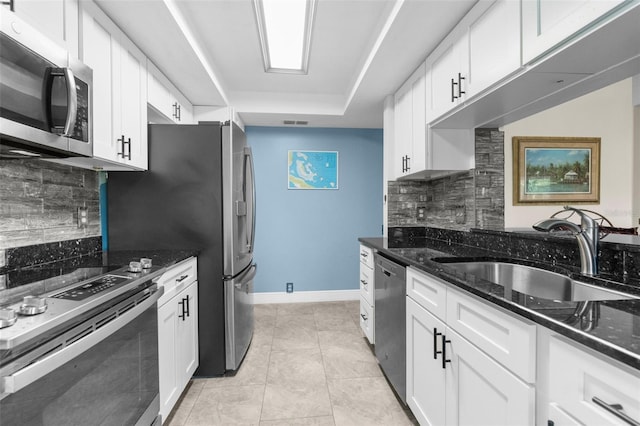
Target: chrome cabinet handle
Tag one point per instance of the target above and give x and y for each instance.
(10, 3)
(182, 278)
(123, 143)
(460, 91)
(435, 343)
(444, 351)
(617, 410)
(453, 91)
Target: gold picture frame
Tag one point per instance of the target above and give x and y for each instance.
(556, 170)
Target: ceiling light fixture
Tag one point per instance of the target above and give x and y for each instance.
(284, 27)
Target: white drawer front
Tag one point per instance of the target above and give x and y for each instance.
(178, 277)
(366, 256)
(507, 339)
(428, 292)
(577, 377)
(367, 320)
(366, 283)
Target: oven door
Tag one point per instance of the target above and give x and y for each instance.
(101, 371)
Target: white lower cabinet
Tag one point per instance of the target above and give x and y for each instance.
(367, 296)
(177, 333)
(590, 389)
(451, 381)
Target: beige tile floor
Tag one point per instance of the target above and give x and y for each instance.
(308, 364)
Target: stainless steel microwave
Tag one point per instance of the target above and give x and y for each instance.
(45, 96)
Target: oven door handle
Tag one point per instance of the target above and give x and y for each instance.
(44, 366)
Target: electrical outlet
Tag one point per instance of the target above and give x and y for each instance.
(83, 217)
(289, 287)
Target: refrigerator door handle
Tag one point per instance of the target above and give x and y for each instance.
(248, 158)
(248, 275)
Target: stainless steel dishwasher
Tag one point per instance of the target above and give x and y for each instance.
(390, 321)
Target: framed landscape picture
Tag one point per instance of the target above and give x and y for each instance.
(550, 170)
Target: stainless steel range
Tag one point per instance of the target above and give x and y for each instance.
(80, 348)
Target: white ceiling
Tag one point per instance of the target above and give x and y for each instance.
(361, 51)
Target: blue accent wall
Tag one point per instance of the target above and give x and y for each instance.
(310, 237)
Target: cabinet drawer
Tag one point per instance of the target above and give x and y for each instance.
(578, 376)
(366, 256)
(367, 320)
(178, 277)
(428, 292)
(507, 339)
(367, 285)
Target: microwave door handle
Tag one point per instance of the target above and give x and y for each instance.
(72, 98)
(72, 102)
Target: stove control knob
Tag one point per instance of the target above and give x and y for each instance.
(8, 317)
(32, 305)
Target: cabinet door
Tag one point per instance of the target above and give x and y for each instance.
(158, 96)
(187, 334)
(57, 19)
(130, 117)
(98, 53)
(547, 23)
(577, 377)
(418, 123)
(509, 340)
(447, 71)
(367, 320)
(167, 357)
(425, 375)
(480, 391)
(403, 130)
(366, 283)
(493, 54)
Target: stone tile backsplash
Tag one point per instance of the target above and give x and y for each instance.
(39, 202)
(465, 200)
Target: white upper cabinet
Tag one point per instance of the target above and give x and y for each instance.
(57, 19)
(547, 23)
(167, 104)
(474, 56)
(448, 72)
(492, 54)
(409, 125)
(119, 95)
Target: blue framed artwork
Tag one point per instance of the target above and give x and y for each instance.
(312, 170)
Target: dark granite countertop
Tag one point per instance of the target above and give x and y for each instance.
(41, 278)
(616, 331)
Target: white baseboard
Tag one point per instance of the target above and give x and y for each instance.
(306, 296)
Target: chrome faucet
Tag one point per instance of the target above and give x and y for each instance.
(587, 234)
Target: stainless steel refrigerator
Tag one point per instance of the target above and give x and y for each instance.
(199, 194)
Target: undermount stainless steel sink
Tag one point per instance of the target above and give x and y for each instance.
(534, 281)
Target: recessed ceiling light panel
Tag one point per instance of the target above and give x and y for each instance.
(284, 27)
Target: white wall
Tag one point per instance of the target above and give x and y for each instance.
(608, 114)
